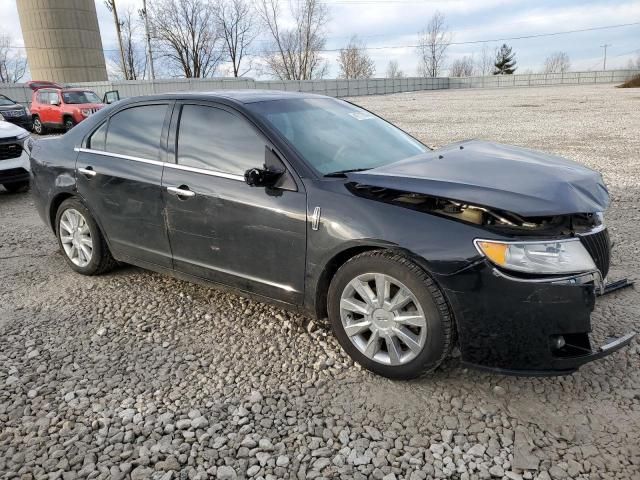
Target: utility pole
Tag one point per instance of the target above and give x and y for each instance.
(146, 26)
(111, 6)
(604, 63)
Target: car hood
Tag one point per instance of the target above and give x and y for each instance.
(513, 179)
(15, 106)
(8, 129)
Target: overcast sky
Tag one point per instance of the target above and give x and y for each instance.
(383, 23)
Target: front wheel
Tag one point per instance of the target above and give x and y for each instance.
(68, 123)
(38, 127)
(389, 315)
(80, 239)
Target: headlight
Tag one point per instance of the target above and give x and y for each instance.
(27, 112)
(1, 118)
(547, 257)
(86, 112)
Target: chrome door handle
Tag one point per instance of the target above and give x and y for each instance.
(180, 192)
(89, 172)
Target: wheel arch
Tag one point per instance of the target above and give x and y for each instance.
(55, 205)
(330, 269)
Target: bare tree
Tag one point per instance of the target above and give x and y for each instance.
(484, 65)
(557, 62)
(13, 65)
(432, 46)
(462, 67)
(111, 6)
(294, 52)
(238, 24)
(354, 62)
(186, 32)
(634, 64)
(134, 55)
(393, 70)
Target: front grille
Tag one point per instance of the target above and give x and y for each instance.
(10, 150)
(12, 113)
(599, 247)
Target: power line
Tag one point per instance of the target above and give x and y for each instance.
(522, 37)
(470, 42)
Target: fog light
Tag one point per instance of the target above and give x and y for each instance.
(557, 342)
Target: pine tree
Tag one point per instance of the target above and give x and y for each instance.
(505, 61)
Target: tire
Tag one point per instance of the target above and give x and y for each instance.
(68, 123)
(16, 187)
(38, 127)
(100, 259)
(430, 333)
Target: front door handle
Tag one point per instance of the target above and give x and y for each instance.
(181, 191)
(88, 172)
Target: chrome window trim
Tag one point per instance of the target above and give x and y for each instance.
(204, 171)
(119, 155)
(186, 168)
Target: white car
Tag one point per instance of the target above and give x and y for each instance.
(14, 157)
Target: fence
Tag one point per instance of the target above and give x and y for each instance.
(337, 88)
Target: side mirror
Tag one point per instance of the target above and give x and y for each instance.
(262, 177)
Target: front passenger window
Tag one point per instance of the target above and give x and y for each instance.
(214, 139)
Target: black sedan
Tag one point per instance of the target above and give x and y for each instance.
(321, 206)
(16, 113)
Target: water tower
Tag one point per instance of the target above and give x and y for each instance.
(62, 38)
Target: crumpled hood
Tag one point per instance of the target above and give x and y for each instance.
(514, 179)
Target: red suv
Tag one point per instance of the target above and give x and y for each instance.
(62, 107)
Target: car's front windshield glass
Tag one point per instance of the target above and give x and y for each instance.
(5, 101)
(80, 97)
(335, 136)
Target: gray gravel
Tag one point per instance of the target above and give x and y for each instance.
(137, 375)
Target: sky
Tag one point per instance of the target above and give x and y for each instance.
(396, 23)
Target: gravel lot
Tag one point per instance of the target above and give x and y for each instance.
(137, 375)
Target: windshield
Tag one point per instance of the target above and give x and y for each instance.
(80, 97)
(335, 136)
(6, 101)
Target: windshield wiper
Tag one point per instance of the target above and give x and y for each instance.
(342, 173)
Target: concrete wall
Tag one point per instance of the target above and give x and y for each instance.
(338, 88)
(62, 38)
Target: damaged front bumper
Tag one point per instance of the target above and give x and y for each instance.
(525, 326)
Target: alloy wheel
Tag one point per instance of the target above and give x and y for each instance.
(383, 319)
(75, 237)
(37, 126)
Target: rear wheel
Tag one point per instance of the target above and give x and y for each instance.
(80, 239)
(389, 315)
(16, 187)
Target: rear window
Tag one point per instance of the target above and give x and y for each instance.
(98, 139)
(136, 131)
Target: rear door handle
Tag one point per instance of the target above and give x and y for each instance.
(181, 191)
(88, 172)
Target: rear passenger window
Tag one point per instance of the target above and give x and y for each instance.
(98, 138)
(214, 139)
(136, 131)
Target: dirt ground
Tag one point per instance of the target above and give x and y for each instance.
(137, 375)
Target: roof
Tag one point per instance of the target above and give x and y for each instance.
(240, 96)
